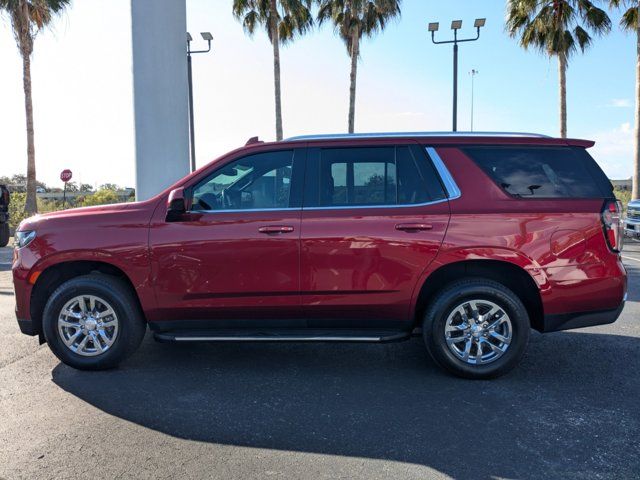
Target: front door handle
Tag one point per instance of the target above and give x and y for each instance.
(275, 229)
(414, 227)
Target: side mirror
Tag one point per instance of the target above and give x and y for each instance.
(176, 205)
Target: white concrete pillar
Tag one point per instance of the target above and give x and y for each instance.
(160, 93)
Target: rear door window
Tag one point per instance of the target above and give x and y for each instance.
(370, 176)
(542, 172)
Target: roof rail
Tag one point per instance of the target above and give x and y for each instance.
(338, 136)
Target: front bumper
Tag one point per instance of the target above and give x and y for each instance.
(28, 327)
(22, 289)
(632, 226)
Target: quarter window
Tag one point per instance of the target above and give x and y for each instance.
(261, 181)
(542, 172)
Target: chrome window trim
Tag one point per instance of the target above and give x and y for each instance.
(237, 210)
(450, 184)
(348, 136)
(342, 207)
(452, 191)
(360, 207)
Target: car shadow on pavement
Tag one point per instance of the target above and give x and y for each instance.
(569, 410)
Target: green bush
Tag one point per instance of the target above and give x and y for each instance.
(624, 196)
(16, 210)
(101, 197)
(18, 199)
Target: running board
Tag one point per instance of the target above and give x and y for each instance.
(335, 335)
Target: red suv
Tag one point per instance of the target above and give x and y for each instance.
(469, 240)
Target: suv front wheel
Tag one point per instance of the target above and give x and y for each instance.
(93, 322)
(476, 328)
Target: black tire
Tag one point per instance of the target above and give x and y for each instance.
(4, 234)
(131, 327)
(453, 295)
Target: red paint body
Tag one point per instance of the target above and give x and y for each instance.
(332, 267)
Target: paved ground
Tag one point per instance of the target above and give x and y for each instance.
(571, 410)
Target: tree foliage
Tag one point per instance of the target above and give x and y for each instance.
(293, 17)
(556, 26)
(357, 18)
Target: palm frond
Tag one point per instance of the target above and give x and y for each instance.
(292, 17)
(29, 17)
(556, 26)
(357, 18)
(629, 20)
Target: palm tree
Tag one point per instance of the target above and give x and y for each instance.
(28, 18)
(630, 23)
(557, 28)
(352, 20)
(283, 20)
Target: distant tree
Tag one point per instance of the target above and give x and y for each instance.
(72, 187)
(28, 18)
(85, 187)
(283, 20)
(557, 28)
(109, 186)
(629, 22)
(352, 20)
(19, 179)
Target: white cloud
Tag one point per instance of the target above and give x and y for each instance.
(614, 150)
(619, 103)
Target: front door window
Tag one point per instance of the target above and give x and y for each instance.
(255, 182)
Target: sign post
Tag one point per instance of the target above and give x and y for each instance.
(65, 176)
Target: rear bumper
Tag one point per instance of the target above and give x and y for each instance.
(568, 321)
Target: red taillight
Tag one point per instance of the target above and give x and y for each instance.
(612, 223)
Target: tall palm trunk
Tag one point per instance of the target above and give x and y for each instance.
(562, 93)
(355, 53)
(31, 206)
(636, 161)
(275, 41)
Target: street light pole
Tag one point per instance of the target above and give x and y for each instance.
(192, 142)
(455, 84)
(473, 74)
(455, 26)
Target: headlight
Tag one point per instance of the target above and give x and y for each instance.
(22, 239)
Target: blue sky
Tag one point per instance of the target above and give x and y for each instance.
(84, 115)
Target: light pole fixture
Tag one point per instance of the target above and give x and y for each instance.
(208, 38)
(455, 26)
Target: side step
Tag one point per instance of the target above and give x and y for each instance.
(284, 335)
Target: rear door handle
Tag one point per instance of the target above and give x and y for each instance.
(275, 229)
(414, 227)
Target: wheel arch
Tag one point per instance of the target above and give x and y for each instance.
(55, 275)
(512, 276)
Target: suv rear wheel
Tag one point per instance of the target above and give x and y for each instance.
(93, 322)
(476, 328)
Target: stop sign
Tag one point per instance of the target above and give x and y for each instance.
(66, 175)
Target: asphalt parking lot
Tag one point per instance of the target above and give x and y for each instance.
(571, 410)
